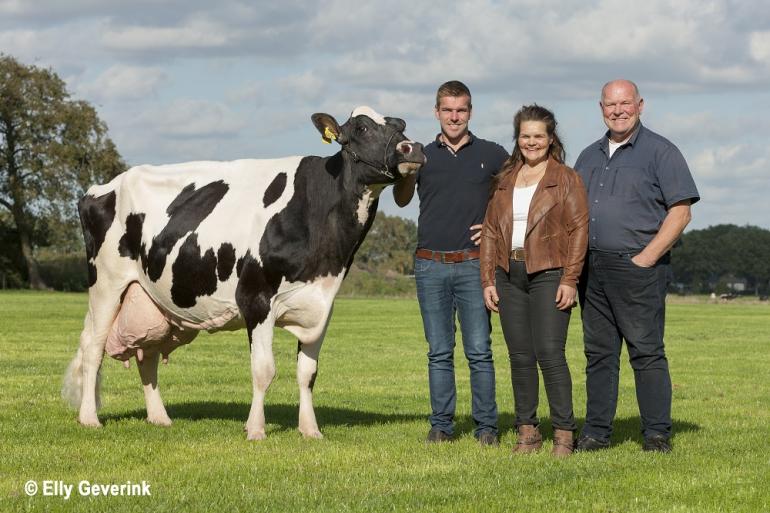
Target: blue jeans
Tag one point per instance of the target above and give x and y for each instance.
(446, 290)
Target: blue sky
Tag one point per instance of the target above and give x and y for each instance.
(192, 80)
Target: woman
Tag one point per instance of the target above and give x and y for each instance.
(532, 249)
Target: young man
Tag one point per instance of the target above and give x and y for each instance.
(453, 187)
(639, 195)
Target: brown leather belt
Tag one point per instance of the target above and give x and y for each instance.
(448, 257)
(517, 255)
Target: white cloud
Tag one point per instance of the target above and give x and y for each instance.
(191, 119)
(121, 82)
(195, 33)
(253, 93)
(732, 181)
(759, 46)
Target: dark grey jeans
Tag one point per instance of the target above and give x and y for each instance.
(536, 334)
(622, 301)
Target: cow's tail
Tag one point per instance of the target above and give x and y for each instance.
(72, 387)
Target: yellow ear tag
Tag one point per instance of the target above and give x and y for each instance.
(328, 136)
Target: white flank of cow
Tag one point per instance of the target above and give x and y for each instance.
(212, 246)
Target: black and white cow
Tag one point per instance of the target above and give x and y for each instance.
(180, 248)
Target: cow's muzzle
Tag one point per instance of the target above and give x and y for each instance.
(413, 157)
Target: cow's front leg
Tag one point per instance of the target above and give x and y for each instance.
(262, 373)
(148, 371)
(307, 371)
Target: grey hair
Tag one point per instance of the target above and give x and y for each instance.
(637, 96)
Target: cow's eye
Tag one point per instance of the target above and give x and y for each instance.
(362, 129)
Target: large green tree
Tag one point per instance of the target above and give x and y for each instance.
(51, 148)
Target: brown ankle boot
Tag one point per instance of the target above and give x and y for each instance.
(563, 443)
(529, 439)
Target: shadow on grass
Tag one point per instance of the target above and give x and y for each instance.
(283, 415)
(624, 428)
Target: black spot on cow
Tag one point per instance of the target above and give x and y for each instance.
(255, 288)
(225, 261)
(186, 213)
(274, 190)
(317, 233)
(96, 217)
(193, 274)
(130, 244)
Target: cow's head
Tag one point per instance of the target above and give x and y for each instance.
(376, 141)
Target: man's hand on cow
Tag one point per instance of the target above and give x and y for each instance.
(565, 297)
(476, 237)
(490, 298)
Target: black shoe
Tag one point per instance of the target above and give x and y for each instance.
(657, 443)
(436, 435)
(588, 444)
(488, 439)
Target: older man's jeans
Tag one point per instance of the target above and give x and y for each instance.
(622, 301)
(446, 290)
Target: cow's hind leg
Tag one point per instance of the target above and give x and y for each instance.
(307, 370)
(262, 373)
(81, 382)
(148, 371)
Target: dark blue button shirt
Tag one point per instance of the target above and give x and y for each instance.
(629, 194)
(454, 189)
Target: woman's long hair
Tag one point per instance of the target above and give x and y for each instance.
(532, 112)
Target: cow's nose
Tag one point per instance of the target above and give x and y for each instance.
(405, 147)
(411, 150)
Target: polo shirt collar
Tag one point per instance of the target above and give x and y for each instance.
(442, 144)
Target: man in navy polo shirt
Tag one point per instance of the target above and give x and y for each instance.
(639, 193)
(453, 187)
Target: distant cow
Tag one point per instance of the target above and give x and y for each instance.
(212, 246)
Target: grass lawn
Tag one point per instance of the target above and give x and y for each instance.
(371, 400)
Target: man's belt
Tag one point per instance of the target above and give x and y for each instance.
(517, 255)
(448, 257)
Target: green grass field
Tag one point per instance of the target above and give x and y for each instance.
(372, 405)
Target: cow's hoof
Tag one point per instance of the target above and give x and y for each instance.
(316, 435)
(259, 435)
(160, 421)
(92, 422)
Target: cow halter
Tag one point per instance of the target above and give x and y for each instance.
(383, 168)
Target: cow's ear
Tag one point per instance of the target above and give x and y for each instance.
(327, 125)
(396, 122)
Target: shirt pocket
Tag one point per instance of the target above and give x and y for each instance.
(628, 182)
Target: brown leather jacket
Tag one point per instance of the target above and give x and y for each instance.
(557, 226)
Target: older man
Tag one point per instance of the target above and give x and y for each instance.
(639, 191)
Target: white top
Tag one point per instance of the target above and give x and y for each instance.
(522, 197)
(615, 145)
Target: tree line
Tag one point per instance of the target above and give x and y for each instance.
(52, 147)
(723, 258)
